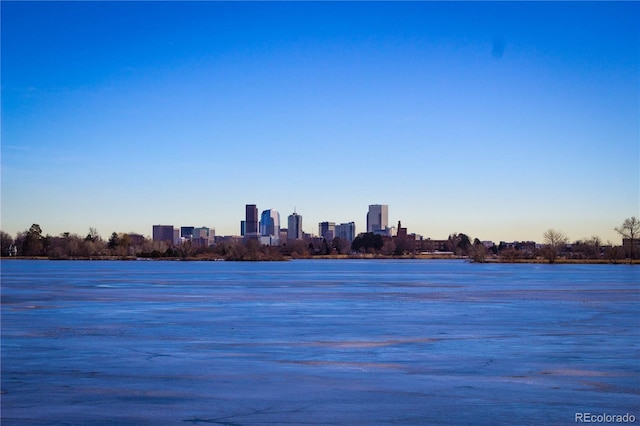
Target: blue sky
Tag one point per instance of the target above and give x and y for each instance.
(499, 120)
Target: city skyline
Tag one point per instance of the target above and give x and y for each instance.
(499, 120)
(179, 227)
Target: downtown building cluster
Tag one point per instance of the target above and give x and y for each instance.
(268, 230)
(200, 237)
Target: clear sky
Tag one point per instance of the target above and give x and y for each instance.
(499, 120)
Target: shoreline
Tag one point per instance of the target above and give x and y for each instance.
(425, 257)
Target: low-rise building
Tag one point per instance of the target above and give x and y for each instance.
(631, 247)
(430, 246)
(135, 239)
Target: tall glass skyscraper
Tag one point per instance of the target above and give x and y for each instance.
(270, 225)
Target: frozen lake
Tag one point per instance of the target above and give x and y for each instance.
(317, 342)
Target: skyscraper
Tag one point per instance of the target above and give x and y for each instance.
(294, 231)
(378, 217)
(251, 221)
(186, 232)
(163, 233)
(202, 232)
(346, 231)
(270, 226)
(327, 230)
(205, 235)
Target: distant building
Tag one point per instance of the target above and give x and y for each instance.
(270, 227)
(294, 231)
(186, 232)
(163, 233)
(527, 247)
(176, 236)
(488, 244)
(327, 230)
(267, 240)
(283, 234)
(200, 242)
(202, 232)
(228, 238)
(429, 245)
(404, 242)
(631, 247)
(243, 227)
(135, 239)
(346, 231)
(401, 232)
(251, 221)
(206, 235)
(378, 218)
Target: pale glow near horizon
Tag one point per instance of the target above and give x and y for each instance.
(498, 120)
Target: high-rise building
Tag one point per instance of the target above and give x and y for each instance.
(294, 231)
(163, 233)
(212, 236)
(270, 226)
(346, 231)
(202, 232)
(186, 232)
(206, 235)
(327, 230)
(251, 221)
(377, 218)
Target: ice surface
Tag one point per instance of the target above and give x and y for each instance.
(317, 342)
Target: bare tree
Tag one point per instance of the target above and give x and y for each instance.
(93, 235)
(613, 252)
(555, 241)
(6, 241)
(341, 245)
(388, 248)
(630, 230)
(509, 254)
(478, 251)
(594, 244)
(588, 248)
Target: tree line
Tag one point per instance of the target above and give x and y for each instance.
(33, 243)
